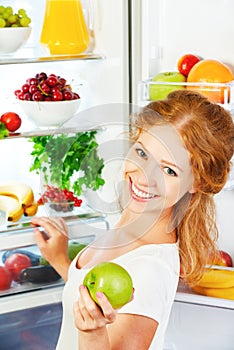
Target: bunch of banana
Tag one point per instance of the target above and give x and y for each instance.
(218, 283)
(17, 199)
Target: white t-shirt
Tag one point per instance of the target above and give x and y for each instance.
(154, 269)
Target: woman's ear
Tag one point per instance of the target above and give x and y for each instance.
(193, 190)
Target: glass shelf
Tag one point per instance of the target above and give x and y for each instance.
(29, 57)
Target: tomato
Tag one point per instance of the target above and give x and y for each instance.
(17, 262)
(5, 278)
(186, 62)
(12, 121)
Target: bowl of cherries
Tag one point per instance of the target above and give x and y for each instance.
(48, 100)
(59, 200)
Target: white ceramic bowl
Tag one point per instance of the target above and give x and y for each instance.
(12, 38)
(50, 113)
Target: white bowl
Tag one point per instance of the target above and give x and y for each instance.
(50, 113)
(12, 38)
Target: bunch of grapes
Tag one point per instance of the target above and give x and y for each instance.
(10, 19)
(60, 200)
(45, 87)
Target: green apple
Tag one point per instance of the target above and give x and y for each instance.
(160, 91)
(73, 249)
(112, 280)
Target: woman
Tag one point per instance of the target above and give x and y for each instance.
(179, 158)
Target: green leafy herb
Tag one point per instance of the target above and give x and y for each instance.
(70, 162)
(4, 132)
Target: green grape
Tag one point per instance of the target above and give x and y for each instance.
(2, 23)
(25, 21)
(22, 12)
(12, 19)
(6, 15)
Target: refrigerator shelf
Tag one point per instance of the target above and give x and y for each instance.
(30, 56)
(223, 93)
(186, 295)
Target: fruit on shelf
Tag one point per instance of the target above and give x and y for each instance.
(186, 62)
(46, 87)
(31, 209)
(59, 199)
(74, 248)
(5, 278)
(224, 293)
(15, 263)
(18, 190)
(112, 280)
(9, 18)
(222, 258)
(159, 91)
(217, 278)
(34, 258)
(211, 71)
(12, 121)
(11, 207)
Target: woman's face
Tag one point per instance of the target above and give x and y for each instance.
(157, 171)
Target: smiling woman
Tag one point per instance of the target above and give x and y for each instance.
(179, 158)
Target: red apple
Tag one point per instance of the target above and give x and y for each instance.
(186, 62)
(223, 259)
(5, 278)
(17, 262)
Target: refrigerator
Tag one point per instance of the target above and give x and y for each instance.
(132, 41)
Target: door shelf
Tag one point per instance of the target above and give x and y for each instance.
(223, 93)
(186, 295)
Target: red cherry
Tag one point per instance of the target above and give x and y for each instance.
(27, 96)
(33, 89)
(76, 96)
(25, 87)
(32, 81)
(67, 95)
(37, 96)
(45, 88)
(52, 80)
(17, 92)
(57, 96)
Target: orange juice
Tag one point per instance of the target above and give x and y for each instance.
(64, 29)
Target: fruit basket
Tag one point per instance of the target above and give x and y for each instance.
(221, 93)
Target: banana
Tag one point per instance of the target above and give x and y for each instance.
(215, 278)
(31, 209)
(19, 190)
(225, 293)
(12, 207)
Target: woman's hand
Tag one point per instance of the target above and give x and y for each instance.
(88, 315)
(53, 242)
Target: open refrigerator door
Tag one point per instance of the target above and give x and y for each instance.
(169, 30)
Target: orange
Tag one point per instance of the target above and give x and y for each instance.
(211, 71)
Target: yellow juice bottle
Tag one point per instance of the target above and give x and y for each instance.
(64, 29)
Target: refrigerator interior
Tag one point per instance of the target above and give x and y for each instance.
(102, 80)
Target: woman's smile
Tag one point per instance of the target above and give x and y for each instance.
(139, 194)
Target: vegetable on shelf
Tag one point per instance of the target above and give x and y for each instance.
(4, 132)
(68, 161)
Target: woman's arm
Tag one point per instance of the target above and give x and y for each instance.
(53, 243)
(124, 331)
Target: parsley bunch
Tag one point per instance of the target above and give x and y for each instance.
(70, 162)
